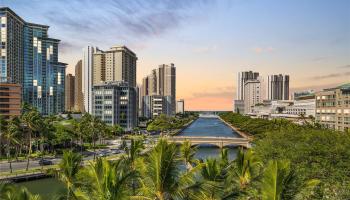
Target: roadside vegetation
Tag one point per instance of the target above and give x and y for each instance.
(169, 171)
(163, 123)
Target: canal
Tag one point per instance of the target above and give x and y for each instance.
(201, 127)
(214, 127)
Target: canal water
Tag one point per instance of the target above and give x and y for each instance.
(213, 127)
(201, 127)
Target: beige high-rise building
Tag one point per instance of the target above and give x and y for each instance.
(116, 64)
(99, 67)
(119, 65)
(78, 88)
(69, 92)
(333, 107)
(161, 82)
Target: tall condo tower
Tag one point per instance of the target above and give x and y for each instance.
(278, 87)
(242, 78)
(87, 81)
(30, 58)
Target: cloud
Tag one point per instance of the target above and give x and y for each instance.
(205, 49)
(260, 50)
(345, 66)
(334, 75)
(119, 17)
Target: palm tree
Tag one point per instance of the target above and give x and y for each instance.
(187, 152)
(11, 192)
(244, 168)
(136, 147)
(105, 180)
(163, 178)
(31, 118)
(213, 178)
(69, 168)
(12, 133)
(278, 179)
(93, 128)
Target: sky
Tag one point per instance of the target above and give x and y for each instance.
(209, 41)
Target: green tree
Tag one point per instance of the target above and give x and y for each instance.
(68, 169)
(187, 152)
(163, 178)
(32, 120)
(105, 180)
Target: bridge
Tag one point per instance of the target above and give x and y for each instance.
(217, 141)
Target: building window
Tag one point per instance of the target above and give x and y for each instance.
(59, 78)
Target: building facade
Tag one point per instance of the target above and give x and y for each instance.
(278, 87)
(154, 106)
(180, 106)
(69, 91)
(333, 107)
(87, 72)
(242, 78)
(10, 100)
(30, 58)
(160, 83)
(78, 88)
(115, 103)
(252, 95)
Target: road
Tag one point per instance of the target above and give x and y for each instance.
(21, 165)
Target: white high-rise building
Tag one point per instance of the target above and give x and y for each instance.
(242, 78)
(252, 95)
(88, 77)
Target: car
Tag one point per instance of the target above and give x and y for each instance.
(102, 154)
(45, 162)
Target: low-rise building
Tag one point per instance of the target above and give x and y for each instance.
(180, 106)
(156, 105)
(10, 100)
(333, 107)
(115, 103)
(238, 106)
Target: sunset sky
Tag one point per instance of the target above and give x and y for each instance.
(209, 41)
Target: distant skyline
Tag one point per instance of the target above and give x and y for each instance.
(209, 41)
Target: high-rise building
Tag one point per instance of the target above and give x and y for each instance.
(116, 64)
(115, 103)
(30, 58)
(242, 78)
(78, 88)
(278, 87)
(333, 107)
(252, 95)
(69, 91)
(161, 82)
(87, 81)
(180, 106)
(10, 100)
(99, 67)
(120, 65)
